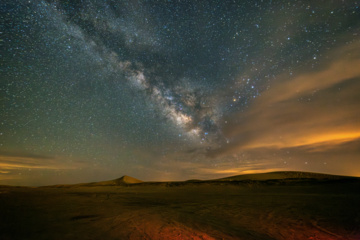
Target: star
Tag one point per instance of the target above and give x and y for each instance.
(132, 87)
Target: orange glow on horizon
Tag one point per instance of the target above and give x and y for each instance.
(319, 140)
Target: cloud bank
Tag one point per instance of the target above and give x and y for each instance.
(315, 111)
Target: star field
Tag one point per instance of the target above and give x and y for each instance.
(91, 90)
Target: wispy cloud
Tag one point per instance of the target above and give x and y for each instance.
(15, 161)
(317, 109)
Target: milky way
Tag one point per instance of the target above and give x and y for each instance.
(175, 89)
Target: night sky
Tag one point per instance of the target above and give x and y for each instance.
(177, 90)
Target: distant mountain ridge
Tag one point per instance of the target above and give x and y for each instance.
(127, 180)
(257, 177)
(282, 175)
(123, 181)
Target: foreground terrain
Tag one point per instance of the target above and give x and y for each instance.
(284, 205)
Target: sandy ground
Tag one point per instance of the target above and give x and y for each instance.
(277, 209)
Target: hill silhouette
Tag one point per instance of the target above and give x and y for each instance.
(127, 180)
(284, 177)
(122, 181)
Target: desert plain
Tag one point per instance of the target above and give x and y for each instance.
(270, 206)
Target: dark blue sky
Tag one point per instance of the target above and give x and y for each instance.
(171, 90)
